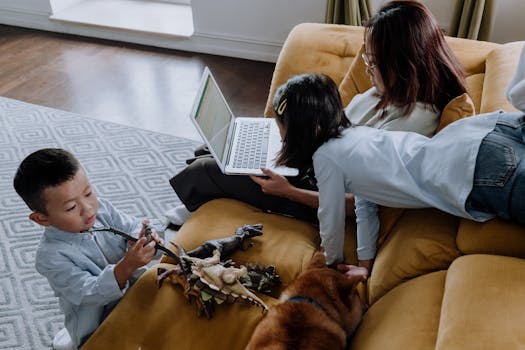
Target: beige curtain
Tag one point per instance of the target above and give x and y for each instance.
(473, 19)
(352, 12)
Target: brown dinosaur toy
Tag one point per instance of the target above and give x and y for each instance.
(208, 280)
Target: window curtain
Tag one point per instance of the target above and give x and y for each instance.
(351, 12)
(473, 19)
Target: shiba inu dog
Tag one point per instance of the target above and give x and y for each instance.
(320, 310)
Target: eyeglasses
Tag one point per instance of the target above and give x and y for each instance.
(368, 63)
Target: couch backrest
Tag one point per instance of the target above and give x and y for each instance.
(316, 48)
(335, 50)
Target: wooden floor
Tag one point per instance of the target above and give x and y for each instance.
(146, 87)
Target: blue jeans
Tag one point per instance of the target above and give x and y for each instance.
(499, 175)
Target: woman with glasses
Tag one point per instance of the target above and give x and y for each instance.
(413, 71)
(414, 75)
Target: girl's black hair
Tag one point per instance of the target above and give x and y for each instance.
(45, 168)
(310, 110)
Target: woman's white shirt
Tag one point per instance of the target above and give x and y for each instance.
(424, 119)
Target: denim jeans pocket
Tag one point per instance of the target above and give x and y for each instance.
(512, 125)
(496, 162)
(513, 120)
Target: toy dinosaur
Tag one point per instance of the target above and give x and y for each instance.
(208, 279)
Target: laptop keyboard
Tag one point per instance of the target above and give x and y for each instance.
(252, 145)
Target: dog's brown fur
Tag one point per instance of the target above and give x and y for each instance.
(305, 325)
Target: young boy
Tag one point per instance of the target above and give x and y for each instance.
(88, 271)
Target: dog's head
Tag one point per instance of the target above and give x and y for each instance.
(334, 291)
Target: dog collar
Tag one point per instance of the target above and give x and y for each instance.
(301, 299)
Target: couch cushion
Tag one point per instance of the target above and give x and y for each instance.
(492, 237)
(471, 53)
(316, 48)
(420, 242)
(459, 107)
(406, 318)
(152, 318)
(350, 248)
(475, 89)
(483, 304)
(500, 66)
(286, 242)
(356, 80)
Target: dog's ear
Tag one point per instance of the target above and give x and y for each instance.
(318, 261)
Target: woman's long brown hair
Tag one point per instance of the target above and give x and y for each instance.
(415, 62)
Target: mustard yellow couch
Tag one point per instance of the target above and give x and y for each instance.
(439, 282)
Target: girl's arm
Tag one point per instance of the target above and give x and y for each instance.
(331, 213)
(367, 220)
(277, 185)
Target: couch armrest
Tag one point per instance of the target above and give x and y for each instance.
(500, 66)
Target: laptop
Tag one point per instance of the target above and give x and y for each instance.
(242, 145)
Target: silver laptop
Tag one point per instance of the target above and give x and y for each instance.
(240, 146)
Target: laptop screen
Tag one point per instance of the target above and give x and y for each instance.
(214, 116)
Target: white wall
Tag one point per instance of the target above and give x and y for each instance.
(267, 21)
(443, 10)
(250, 28)
(57, 5)
(508, 23)
(41, 7)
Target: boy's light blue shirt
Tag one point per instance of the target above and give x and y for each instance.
(79, 268)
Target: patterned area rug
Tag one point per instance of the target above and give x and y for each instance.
(130, 167)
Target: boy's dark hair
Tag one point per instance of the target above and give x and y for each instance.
(415, 62)
(309, 107)
(48, 167)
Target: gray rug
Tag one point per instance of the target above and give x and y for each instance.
(130, 167)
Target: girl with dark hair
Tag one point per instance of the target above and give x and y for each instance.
(483, 178)
(322, 120)
(414, 75)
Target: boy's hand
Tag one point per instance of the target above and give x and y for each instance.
(150, 233)
(139, 254)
